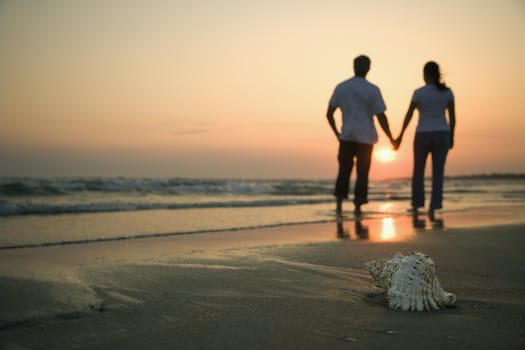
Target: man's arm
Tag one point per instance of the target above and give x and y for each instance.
(331, 120)
(383, 121)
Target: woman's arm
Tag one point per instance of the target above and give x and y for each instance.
(452, 121)
(408, 118)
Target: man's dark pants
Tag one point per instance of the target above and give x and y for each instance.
(348, 150)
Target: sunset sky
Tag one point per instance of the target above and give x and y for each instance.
(239, 89)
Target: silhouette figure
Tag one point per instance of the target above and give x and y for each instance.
(434, 136)
(359, 101)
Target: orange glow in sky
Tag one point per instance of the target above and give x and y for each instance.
(239, 88)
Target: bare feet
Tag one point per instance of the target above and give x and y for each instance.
(339, 207)
(357, 210)
(431, 215)
(413, 210)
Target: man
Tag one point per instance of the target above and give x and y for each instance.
(359, 101)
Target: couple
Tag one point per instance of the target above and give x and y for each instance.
(359, 101)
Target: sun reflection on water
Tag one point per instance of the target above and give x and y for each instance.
(388, 230)
(379, 228)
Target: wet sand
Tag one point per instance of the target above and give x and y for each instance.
(289, 287)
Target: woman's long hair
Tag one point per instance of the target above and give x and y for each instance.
(431, 70)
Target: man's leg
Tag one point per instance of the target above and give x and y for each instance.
(346, 163)
(364, 159)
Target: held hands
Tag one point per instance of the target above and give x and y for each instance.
(396, 142)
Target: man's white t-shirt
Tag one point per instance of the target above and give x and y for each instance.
(432, 104)
(359, 100)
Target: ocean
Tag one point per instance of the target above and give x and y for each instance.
(55, 211)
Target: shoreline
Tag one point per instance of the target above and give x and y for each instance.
(471, 217)
(297, 286)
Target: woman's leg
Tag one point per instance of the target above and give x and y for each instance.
(439, 151)
(418, 174)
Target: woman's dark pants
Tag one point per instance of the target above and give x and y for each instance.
(437, 144)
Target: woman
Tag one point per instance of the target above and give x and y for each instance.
(434, 135)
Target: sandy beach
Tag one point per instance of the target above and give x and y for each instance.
(287, 287)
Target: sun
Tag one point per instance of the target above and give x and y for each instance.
(385, 155)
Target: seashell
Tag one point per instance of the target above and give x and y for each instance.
(410, 282)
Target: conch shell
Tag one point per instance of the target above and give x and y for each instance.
(410, 282)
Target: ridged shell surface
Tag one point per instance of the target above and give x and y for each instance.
(410, 282)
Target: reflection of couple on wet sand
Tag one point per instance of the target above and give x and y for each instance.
(359, 101)
(361, 231)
